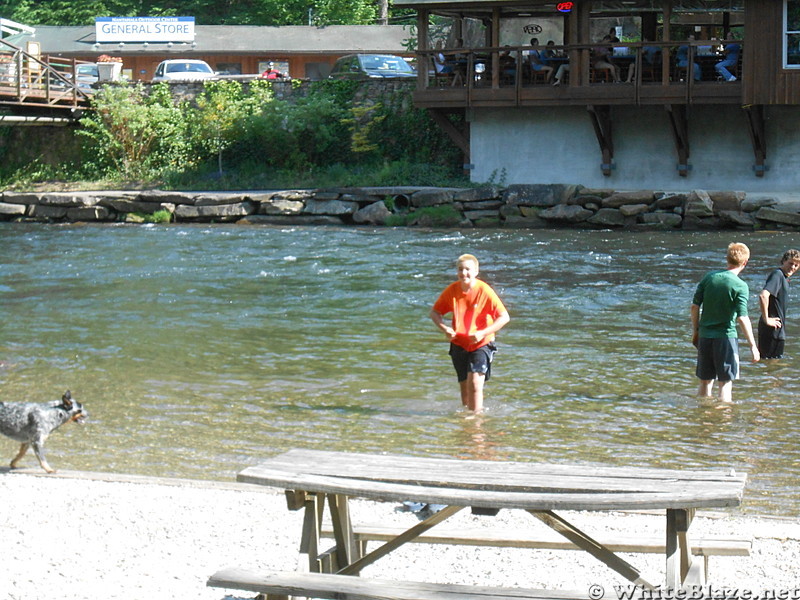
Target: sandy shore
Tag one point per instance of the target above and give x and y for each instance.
(98, 536)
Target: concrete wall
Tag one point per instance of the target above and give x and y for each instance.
(558, 145)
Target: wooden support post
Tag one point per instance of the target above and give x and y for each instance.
(309, 541)
(757, 131)
(601, 121)
(346, 549)
(593, 547)
(679, 553)
(680, 135)
(458, 137)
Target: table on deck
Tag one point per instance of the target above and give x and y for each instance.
(309, 477)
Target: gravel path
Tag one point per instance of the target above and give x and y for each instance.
(99, 536)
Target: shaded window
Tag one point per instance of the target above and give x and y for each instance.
(791, 26)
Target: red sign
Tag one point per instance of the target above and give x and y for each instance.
(565, 6)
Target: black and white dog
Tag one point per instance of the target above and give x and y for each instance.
(31, 423)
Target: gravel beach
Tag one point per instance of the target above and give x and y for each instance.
(78, 535)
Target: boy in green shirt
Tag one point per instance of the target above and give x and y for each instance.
(723, 297)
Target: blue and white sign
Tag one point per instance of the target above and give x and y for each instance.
(144, 29)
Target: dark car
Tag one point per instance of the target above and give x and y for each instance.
(371, 66)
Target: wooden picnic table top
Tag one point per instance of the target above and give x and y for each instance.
(497, 484)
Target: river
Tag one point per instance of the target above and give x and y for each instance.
(199, 350)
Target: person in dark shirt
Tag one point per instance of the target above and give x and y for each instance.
(772, 300)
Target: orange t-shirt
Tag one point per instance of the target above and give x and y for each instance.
(472, 311)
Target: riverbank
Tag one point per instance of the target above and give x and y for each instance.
(76, 535)
(515, 206)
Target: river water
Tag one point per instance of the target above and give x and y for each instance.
(199, 350)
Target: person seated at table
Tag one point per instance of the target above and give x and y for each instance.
(650, 57)
(682, 60)
(601, 60)
(440, 63)
(535, 63)
(478, 314)
(732, 51)
(550, 52)
(559, 76)
(508, 64)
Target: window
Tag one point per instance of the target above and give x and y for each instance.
(791, 27)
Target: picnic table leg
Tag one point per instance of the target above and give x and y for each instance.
(593, 547)
(679, 552)
(346, 550)
(309, 539)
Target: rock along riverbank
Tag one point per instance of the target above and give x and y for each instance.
(514, 206)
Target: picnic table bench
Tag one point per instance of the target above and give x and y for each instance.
(313, 478)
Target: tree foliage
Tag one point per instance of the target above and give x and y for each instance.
(206, 12)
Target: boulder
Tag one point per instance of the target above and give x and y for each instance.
(217, 199)
(538, 195)
(21, 198)
(567, 213)
(698, 204)
(753, 204)
(68, 200)
(279, 206)
(737, 218)
(286, 220)
(89, 213)
(39, 211)
(607, 217)
(222, 212)
(669, 200)
(487, 192)
(631, 210)
(432, 197)
(776, 215)
(159, 196)
(335, 208)
(372, 214)
(727, 200)
(618, 199)
(12, 209)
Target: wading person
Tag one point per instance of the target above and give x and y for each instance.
(719, 303)
(772, 301)
(478, 314)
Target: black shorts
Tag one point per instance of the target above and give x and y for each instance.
(478, 361)
(769, 345)
(718, 358)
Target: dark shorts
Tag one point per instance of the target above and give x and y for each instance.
(769, 345)
(478, 361)
(718, 358)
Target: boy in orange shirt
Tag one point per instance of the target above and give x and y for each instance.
(477, 315)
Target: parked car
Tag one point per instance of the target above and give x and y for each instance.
(87, 74)
(371, 66)
(185, 69)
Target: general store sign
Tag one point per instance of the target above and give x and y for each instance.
(144, 29)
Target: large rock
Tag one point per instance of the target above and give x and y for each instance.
(12, 209)
(566, 213)
(727, 200)
(607, 217)
(618, 199)
(68, 200)
(280, 206)
(222, 212)
(520, 222)
(89, 213)
(776, 215)
(631, 210)
(124, 205)
(670, 200)
(21, 198)
(372, 214)
(286, 220)
(737, 218)
(217, 199)
(699, 204)
(334, 208)
(161, 196)
(431, 197)
(39, 211)
(488, 192)
(753, 204)
(538, 195)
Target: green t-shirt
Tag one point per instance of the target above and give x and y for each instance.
(723, 298)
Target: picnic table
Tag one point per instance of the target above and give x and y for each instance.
(310, 477)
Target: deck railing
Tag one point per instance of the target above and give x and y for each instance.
(686, 64)
(42, 81)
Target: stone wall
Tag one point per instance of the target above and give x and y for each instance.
(516, 206)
